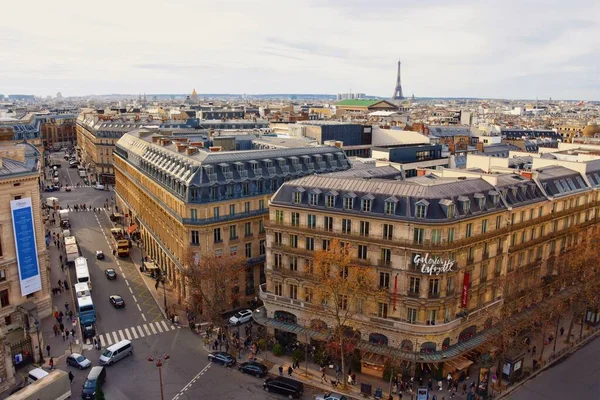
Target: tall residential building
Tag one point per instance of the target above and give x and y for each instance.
(20, 304)
(439, 246)
(189, 201)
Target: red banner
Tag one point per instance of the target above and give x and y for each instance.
(465, 291)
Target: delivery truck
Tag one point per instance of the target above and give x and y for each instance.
(54, 386)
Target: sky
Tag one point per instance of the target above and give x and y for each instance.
(449, 48)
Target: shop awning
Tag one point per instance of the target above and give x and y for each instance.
(459, 363)
(132, 228)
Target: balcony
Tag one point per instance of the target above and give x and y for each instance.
(414, 295)
(384, 262)
(224, 218)
(434, 295)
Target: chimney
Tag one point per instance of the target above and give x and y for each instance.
(421, 172)
(197, 144)
(191, 151)
(181, 147)
(155, 139)
(527, 175)
(213, 149)
(165, 142)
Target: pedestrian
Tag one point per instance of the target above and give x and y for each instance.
(60, 258)
(71, 377)
(323, 376)
(430, 384)
(66, 306)
(62, 327)
(280, 370)
(66, 285)
(60, 284)
(290, 370)
(67, 332)
(73, 332)
(55, 329)
(464, 388)
(48, 350)
(51, 363)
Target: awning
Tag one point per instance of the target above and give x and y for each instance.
(459, 363)
(132, 228)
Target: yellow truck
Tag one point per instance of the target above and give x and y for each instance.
(122, 248)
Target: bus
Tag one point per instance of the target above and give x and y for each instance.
(86, 310)
(82, 290)
(82, 272)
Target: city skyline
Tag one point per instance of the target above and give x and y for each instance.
(523, 50)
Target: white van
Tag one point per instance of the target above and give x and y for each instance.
(35, 375)
(116, 352)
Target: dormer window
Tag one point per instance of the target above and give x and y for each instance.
(313, 199)
(330, 199)
(514, 191)
(448, 207)
(480, 198)
(349, 201)
(367, 203)
(390, 205)
(466, 204)
(297, 197)
(421, 209)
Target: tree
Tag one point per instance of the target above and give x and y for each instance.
(213, 283)
(342, 288)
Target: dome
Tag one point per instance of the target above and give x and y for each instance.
(591, 130)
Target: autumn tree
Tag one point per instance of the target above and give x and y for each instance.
(342, 288)
(213, 283)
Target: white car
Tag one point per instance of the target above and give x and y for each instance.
(241, 317)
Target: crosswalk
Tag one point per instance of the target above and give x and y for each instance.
(136, 332)
(90, 209)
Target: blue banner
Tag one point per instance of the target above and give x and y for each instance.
(25, 245)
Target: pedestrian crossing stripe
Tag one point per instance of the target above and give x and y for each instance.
(135, 332)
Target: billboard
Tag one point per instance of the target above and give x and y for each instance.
(25, 246)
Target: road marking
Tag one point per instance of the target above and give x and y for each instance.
(115, 336)
(134, 299)
(134, 333)
(158, 327)
(152, 328)
(139, 308)
(130, 289)
(139, 328)
(126, 282)
(123, 275)
(144, 317)
(186, 387)
(146, 329)
(165, 325)
(121, 334)
(127, 333)
(102, 343)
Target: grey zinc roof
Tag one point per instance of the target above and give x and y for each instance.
(386, 172)
(560, 181)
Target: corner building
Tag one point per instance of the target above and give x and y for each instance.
(473, 228)
(190, 201)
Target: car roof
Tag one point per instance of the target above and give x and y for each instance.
(115, 296)
(94, 373)
(38, 373)
(288, 381)
(75, 355)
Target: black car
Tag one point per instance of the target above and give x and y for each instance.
(286, 386)
(50, 188)
(117, 301)
(221, 357)
(94, 381)
(111, 274)
(254, 368)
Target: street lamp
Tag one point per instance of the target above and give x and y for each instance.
(36, 322)
(159, 364)
(164, 279)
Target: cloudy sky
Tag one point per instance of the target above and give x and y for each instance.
(450, 48)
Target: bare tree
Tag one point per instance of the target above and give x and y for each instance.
(342, 287)
(213, 283)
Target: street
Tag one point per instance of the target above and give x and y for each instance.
(578, 377)
(187, 374)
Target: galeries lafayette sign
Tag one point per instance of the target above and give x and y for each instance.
(433, 265)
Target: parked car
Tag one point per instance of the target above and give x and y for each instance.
(111, 274)
(221, 357)
(99, 255)
(50, 188)
(117, 301)
(330, 396)
(253, 368)
(78, 361)
(286, 386)
(241, 317)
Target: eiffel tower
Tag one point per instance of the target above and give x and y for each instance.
(398, 91)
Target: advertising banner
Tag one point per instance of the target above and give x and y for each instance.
(464, 299)
(25, 246)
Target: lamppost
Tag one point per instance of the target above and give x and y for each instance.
(36, 322)
(164, 279)
(159, 364)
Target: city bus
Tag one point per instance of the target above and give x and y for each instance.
(86, 311)
(82, 273)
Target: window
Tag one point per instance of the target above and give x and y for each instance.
(414, 285)
(261, 204)
(308, 295)
(195, 238)
(364, 228)
(4, 301)
(432, 317)
(261, 226)
(330, 201)
(382, 311)
(309, 266)
(484, 225)
(540, 212)
(194, 213)
(328, 224)
(311, 220)
(297, 197)
(390, 208)
(346, 226)
(484, 272)
(366, 205)
(295, 219)
(247, 207)
(278, 289)
(434, 288)
(469, 230)
(219, 253)
(343, 302)
(388, 231)
(436, 236)
(449, 285)
(233, 232)
(511, 263)
(231, 209)
(248, 250)
(279, 216)
(233, 251)
(362, 251)
(293, 263)
(384, 280)
(470, 255)
(411, 315)
(277, 260)
(294, 241)
(450, 235)
(310, 243)
(450, 210)
(421, 210)
(498, 222)
(278, 238)
(348, 203)
(313, 199)
(418, 235)
(248, 229)
(2, 275)
(216, 212)
(217, 235)
(325, 244)
(262, 248)
(386, 256)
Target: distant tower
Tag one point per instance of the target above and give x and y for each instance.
(194, 96)
(398, 91)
